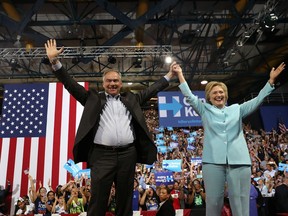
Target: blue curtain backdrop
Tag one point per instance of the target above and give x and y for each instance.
(273, 115)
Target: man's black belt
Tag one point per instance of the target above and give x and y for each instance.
(113, 148)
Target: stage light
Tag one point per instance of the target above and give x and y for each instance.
(111, 60)
(137, 62)
(204, 82)
(18, 44)
(168, 59)
(45, 60)
(14, 64)
(269, 22)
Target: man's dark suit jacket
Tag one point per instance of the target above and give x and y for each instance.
(166, 209)
(94, 101)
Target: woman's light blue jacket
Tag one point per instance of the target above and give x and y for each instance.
(224, 141)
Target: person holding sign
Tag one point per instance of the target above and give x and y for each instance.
(225, 153)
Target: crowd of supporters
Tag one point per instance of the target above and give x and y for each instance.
(267, 150)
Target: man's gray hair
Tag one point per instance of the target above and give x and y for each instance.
(111, 70)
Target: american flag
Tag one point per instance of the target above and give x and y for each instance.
(37, 131)
(282, 128)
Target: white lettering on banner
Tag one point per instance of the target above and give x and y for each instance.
(162, 179)
(187, 104)
(190, 112)
(188, 121)
(162, 113)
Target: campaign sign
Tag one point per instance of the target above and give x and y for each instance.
(164, 178)
(86, 173)
(196, 160)
(172, 165)
(71, 167)
(174, 145)
(190, 147)
(174, 111)
(283, 167)
(160, 142)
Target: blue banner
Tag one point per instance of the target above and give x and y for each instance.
(172, 165)
(164, 178)
(174, 111)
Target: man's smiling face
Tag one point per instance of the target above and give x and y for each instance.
(112, 83)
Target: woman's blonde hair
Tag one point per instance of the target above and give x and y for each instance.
(211, 85)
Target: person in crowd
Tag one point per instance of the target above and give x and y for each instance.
(87, 193)
(225, 154)
(149, 200)
(278, 179)
(23, 208)
(59, 205)
(256, 199)
(281, 195)
(148, 179)
(262, 187)
(177, 195)
(41, 202)
(58, 190)
(136, 195)
(270, 184)
(50, 201)
(77, 201)
(112, 135)
(270, 171)
(196, 199)
(67, 188)
(166, 205)
(3, 194)
(112, 200)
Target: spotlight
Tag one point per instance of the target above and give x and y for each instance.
(14, 64)
(168, 59)
(269, 22)
(111, 60)
(137, 62)
(204, 82)
(45, 60)
(18, 44)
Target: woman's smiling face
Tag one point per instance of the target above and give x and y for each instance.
(217, 96)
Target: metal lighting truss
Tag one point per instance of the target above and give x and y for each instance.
(88, 51)
(249, 30)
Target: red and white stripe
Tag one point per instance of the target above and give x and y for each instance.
(44, 157)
